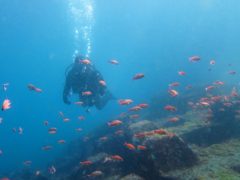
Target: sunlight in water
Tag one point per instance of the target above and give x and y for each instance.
(81, 12)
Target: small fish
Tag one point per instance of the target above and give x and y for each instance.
(37, 173)
(85, 61)
(46, 148)
(160, 131)
(218, 83)
(80, 103)
(61, 141)
(212, 62)
(1, 152)
(66, 119)
(5, 178)
(104, 138)
(52, 170)
(234, 92)
(27, 163)
(129, 146)
(134, 116)
(45, 123)
(81, 118)
(116, 158)
(6, 104)
(113, 61)
(173, 92)
(125, 101)
(135, 108)
(209, 88)
(204, 103)
(143, 105)
(34, 88)
(232, 72)
(95, 174)
(78, 129)
(86, 93)
(20, 130)
(138, 76)
(174, 84)
(182, 73)
(52, 130)
(86, 163)
(119, 132)
(140, 147)
(170, 108)
(115, 123)
(102, 82)
(61, 114)
(140, 135)
(194, 58)
(174, 119)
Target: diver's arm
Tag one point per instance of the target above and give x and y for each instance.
(67, 88)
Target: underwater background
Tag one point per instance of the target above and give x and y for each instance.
(38, 41)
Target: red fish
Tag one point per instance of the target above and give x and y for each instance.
(174, 119)
(95, 174)
(114, 123)
(86, 93)
(129, 146)
(181, 73)
(170, 108)
(174, 84)
(81, 118)
(143, 105)
(34, 88)
(194, 58)
(173, 92)
(86, 163)
(134, 116)
(138, 76)
(212, 62)
(218, 83)
(209, 88)
(52, 130)
(125, 101)
(79, 103)
(116, 158)
(85, 61)
(135, 108)
(160, 131)
(113, 61)
(102, 82)
(119, 132)
(140, 147)
(6, 104)
(61, 141)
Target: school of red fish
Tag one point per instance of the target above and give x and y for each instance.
(204, 102)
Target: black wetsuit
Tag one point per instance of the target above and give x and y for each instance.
(82, 78)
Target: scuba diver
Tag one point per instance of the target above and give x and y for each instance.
(83, 79)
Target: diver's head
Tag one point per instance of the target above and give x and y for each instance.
(79, 58)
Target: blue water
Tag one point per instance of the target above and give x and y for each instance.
(154, 37)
